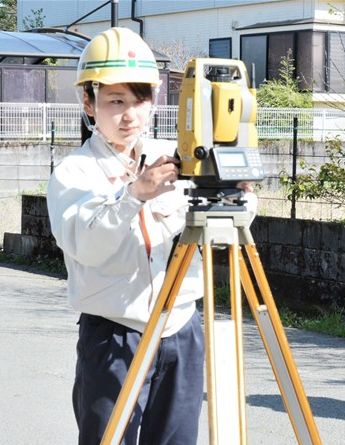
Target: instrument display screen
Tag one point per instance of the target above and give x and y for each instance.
(237, 164)
(232, 159)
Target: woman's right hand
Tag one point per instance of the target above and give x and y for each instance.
(155, 179)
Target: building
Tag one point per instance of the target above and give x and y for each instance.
(255, 31)
(40, 66)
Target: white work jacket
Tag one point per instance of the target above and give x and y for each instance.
(95, 221)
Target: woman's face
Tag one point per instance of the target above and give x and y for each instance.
(119, 115)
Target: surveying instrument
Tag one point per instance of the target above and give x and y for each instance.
(218, 148)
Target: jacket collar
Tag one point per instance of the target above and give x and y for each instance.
(113, 163)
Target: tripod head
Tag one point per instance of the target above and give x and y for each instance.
(217, 137)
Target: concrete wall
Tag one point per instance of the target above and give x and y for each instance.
(26, 167)
(35, 238)
(277, 156)
(304, 260)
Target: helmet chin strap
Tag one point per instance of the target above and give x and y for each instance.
(123, 159)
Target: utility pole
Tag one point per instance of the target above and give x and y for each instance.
(114, 12)
(294, 166)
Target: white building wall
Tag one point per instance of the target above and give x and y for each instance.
(195, 28)
(332, 10)
(61, 12)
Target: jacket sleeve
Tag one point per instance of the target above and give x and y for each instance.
(88, 223)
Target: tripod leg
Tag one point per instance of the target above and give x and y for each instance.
(278, 350)
(236, 313)
(209, 343)
(148, 345)
(218, 390)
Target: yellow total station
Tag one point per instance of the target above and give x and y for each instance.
(216, 123)
(217, 144)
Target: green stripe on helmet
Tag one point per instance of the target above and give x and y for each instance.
(105, 64)
(147, 64)
(119, 63)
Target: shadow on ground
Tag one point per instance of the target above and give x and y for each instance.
(320, 406)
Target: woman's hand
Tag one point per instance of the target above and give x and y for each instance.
(245, 186)
(156, 179)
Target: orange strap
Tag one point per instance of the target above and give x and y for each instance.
(145, 232)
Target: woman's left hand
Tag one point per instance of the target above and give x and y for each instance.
(245, 186)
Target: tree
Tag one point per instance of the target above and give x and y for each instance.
(35, 20)
(8, 15)
(326, 183)
(336, 11)
(284, 91)
(178, 53)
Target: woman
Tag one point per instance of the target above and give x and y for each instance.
(115, 208)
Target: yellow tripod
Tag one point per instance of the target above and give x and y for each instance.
(224, 226)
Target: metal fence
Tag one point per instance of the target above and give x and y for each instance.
(20, 121)
(33, 122)
(272, 123)
(29, 121)
(313, 124)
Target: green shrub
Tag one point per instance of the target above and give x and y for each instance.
(326, 183)
(284, 92)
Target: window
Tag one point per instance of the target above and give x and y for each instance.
(336, 62)
(220, 48)
(254, 51)
(279, 45)
(309, 55)
(304, 60)
(319, 62)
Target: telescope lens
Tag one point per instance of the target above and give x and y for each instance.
(219, 74)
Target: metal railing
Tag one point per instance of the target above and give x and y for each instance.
(313, 124)
(273, 123)
(30, 121)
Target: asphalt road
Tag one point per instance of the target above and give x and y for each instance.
(37, 356)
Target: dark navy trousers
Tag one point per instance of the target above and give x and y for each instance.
(169, 405)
